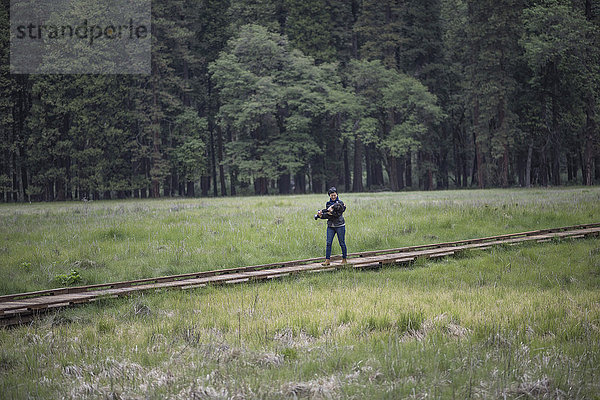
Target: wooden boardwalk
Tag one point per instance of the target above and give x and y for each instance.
(22, 307)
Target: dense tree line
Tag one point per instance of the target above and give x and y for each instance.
(289, 96)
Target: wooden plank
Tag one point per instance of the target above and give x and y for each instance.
(69, 299)
(14, 305)
(188, 287)
(448, 253)
(403, 260)
(238, 281)
(368, 265)
(31, 305)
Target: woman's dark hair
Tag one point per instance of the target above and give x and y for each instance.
(332, 190)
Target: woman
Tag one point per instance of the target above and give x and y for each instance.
(336, 225)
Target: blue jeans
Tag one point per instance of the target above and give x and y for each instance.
(341, 234)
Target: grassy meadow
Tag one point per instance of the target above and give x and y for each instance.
(509, 322)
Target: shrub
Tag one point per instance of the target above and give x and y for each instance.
(71, 278)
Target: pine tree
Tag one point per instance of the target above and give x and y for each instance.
(493, 48)
(561, 49)
(14, 105)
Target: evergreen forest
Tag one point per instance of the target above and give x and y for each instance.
(288, 96)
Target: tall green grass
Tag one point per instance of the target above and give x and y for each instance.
(508, 322)
(494, 324)
(107, 241)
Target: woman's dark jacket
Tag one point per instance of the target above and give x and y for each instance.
(335, 219)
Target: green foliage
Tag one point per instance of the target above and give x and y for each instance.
(380, 27)
(398, 112)
(191, 132)
(377, 323)
(494, 30)
(346, 317)
(270, 97)
(415, 115)
(26, 266)
(410, 321)
(105, 326)
(69, 279)
(321, 29)
(289, 353)
(452, 92)
(560, 49)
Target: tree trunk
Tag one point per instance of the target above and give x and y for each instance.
(22, 111)
(284, 184)
(317, 174)
(465, 169)
(589, 142)
(358, 171)
(182, 188)
(474, 171)
(520, 165)
(232, 182)
(442, 176)
(457, 160)
(213, 167)
(205, 185)
(260, 186)
(400, 165)
(19, 175)
(167, 186)
(347, 181)
(409, 170)
(505, 166)
(69, 180)
(377, 167)
(556, 165)
(582, 164)
(12, 176)
(368, 167)
(543, 168)
(428, 178)
(220, 161)
(300, 183)
(175, 185)
(51, 195)
(528, 165)
(232, 171)
(478, 154)
(392, 170)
